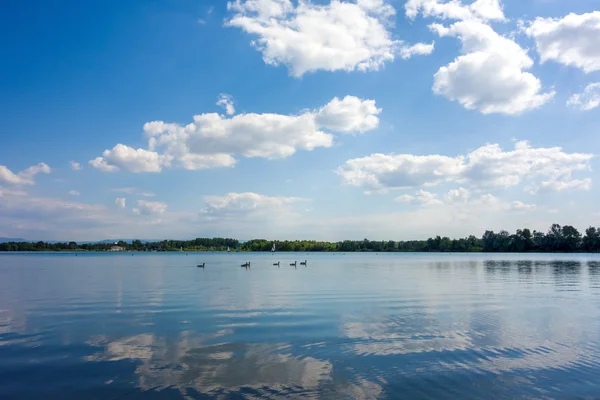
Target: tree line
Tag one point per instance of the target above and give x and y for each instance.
(556, 239)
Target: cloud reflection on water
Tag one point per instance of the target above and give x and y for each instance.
(191, 363)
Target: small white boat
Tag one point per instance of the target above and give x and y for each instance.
(273, 248)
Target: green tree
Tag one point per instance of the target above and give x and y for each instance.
(571, 239)
(591, 240)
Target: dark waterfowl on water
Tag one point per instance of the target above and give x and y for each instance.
(293, 264)
(247, 265)
(277, 263)
(201, 265)
(303, 263)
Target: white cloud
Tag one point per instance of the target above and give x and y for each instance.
(25, 177)
(421, 49)
(44, 217)
(134, 160)
(460, 201)
(460, 195)
(120, 202)
(478, 10)
(5, 192)
(573, 40)
(520, 206)
(349, 114)
(226, 101)
(381, 172)
(341, 35)
(48, 218)
(133, 191)
(7, 176)
(74, 193)
(561, 186)
(490, 76)
(212, 140)
(422, 198)
(150, 207)
(75, 166)
(248, 204)
(588, 100)
(101, 164)
(487, 166)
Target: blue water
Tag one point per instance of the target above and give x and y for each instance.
(354, 326)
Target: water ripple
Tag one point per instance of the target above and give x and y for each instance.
(352, 327)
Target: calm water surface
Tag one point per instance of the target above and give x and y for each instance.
(355, 326)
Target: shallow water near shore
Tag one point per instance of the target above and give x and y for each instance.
(355, 326)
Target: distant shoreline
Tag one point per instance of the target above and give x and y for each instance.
(558, 239)
(287, 252)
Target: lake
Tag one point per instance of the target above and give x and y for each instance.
(353, 326)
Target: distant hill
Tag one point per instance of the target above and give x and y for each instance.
(106, 241)
(4, 240)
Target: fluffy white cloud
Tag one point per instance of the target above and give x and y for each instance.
(120, 202)
(588, 100)
(25, 177)
(226, 101)
(212, 140)
(420, 198)
(490, 76)
(487, 166)
(74, 193)
(341, 35)
(573, 40)
(453, 9)
(7, 176)
(134, 160)
(101, 164)
(150, 207)
(75, 166)
(381, 172)
(349, 114)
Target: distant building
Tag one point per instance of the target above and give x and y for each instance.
(117, 248)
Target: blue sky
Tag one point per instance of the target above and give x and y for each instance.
(367, 118)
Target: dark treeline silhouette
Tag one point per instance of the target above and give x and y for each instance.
(557, 239)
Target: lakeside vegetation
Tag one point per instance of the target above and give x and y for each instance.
(558, 239)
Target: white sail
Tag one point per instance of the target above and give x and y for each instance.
(273, 248)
